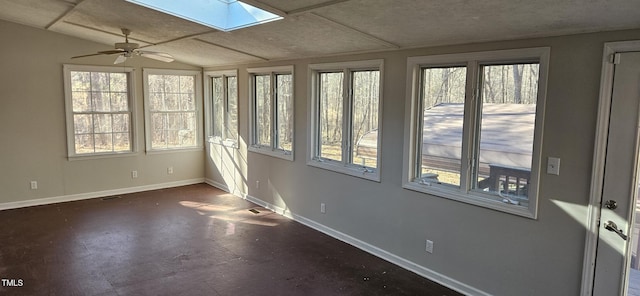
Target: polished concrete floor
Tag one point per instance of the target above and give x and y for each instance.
(191, 240)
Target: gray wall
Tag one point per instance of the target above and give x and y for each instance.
(33, 131)
(497, 253)
(492, 251)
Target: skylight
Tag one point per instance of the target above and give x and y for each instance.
(223, 15)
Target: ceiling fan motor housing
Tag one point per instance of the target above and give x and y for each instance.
(128, 47)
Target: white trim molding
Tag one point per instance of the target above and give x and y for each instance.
(96, 194)
(362, 245)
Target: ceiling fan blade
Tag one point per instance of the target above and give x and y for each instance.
(113, 51)
(86, 55)
(160, 56)
(120, 59)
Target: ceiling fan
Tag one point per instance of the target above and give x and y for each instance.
(127, 49)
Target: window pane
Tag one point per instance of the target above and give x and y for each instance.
(82, 124)
(121, 122)
(509, 96)
(121, 142)
(187, 85)
(187, 102)
(119, 101)
(158, 129)
(331, 105)
(366, 95)
(187, 132)
(171, 84)
(102, 123)
(172, 102)
(101, 101)
(217, 96)
(118, 82)
(80, 81)
(103, 142)
(443, 93)
(232, 108)
(263, 109)
(81, 101)
(155, 83)
(99, 81)
(84, 144)
(284, 111)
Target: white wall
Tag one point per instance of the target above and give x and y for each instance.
(32, 124)
(489, 251)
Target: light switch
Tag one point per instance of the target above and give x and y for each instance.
(553, 166)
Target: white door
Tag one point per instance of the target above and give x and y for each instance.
(616, 265)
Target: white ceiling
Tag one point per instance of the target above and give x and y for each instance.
(324, 27)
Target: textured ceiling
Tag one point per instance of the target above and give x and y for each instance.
(324, 27)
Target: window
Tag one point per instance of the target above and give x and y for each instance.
(172, 109)
(475, 125)
(222, 95)
(345, 111)
(99, 107)
(272, 111)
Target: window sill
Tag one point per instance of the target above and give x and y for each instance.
(100, 156)
(286, 155)
(351, 170)
(474, 198)
(175, 150)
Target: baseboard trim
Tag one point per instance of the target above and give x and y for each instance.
(96, 194)
(369, 248)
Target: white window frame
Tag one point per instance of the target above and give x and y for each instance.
(270, 150)
(147, 112)
(71, 153)
(313, 155)
(225, 140)
(473, 62)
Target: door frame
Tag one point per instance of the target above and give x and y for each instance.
(599, 154)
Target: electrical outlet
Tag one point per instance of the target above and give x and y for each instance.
(134, 174)
(170, 170)
(323, 208)
(429, 247)
(34, 185)
(257, 184)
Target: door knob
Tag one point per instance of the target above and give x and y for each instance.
(609, 225)
(611, 204)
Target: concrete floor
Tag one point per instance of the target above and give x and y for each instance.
(192, 240)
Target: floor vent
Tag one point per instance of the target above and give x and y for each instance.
(254, 211)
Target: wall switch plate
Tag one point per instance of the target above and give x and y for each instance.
(553, 166)
(34, 185)
(323, 208)
(429, 247)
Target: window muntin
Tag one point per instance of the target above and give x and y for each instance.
(172, 109)
(222, 90)
(99, 110)
(345, 108)
(272, 111)
(501, 129)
